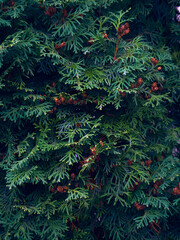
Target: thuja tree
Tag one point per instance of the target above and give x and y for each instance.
(88, 120)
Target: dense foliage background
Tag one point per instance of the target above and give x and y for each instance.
(89, 120)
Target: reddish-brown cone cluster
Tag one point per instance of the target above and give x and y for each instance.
(43, 98)
(160, 158)
(155, 87)
(63, 100)
(156, 187)
(139, 206)
(147, 96)
(59, 188)
(147, 162)
(93, 150)
(59, 100)
(101, 143)
(176, 190)
(86, 160)
(129, 162)
(105, 36)
(133, 86)
(139, 82)
(123, 94)
(123, 30)
(50, 11)
(158, 183)
(57, 47)
(154, 61)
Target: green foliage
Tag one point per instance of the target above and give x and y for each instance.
(89, 122)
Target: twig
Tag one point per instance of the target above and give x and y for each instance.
(117, 44)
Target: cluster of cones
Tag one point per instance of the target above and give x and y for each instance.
(57, 47)
(123, 30)
(156, 187)
(129, 162)
(147, 162)
(154, 62)
(43, 98)
(50, 11)
(105, 36)
(92, 183)
(139, 206)
(91, 157)
(155, 87)
(176, 190)
(63, 100)
(59, 188)
(139, 82)
(160, 158)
